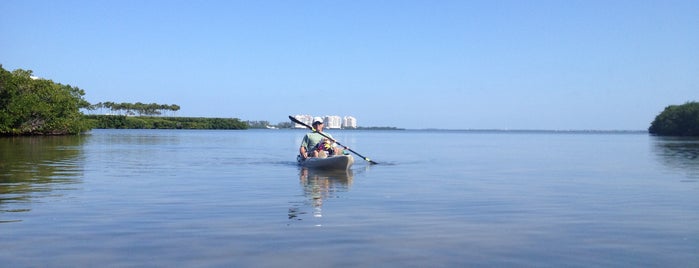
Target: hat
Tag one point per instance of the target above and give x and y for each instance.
(317, 120)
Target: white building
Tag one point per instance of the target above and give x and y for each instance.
(306, 119)
(332, 121)
(349, 122)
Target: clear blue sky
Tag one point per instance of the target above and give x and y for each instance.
(605, 65)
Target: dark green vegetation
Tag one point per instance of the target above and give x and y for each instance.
(32, 106)
(122, 117)
(135, 108)
(151, 122)
(677, 120)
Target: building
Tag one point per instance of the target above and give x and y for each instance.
(306, 119)
(349, 122)
(332, 121)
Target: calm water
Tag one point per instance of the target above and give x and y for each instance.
(438, 199)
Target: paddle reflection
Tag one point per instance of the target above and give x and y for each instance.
(318, 187)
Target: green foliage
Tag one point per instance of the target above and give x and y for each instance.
(135, 108)
(147, 122)
(677, 120)
(31, 106)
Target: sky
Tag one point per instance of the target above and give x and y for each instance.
(492, 64)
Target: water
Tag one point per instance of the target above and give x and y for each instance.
(437, 199)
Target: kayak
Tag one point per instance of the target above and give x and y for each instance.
(335, 162)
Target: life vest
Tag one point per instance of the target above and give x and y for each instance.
(325, 145)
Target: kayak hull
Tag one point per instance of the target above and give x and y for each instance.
(335, 162)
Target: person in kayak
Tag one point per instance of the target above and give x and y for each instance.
(314, 144)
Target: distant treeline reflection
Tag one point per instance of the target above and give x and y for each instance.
(33, 167)
(679, 152)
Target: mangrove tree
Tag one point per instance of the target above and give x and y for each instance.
(36, 106)
(677, 120)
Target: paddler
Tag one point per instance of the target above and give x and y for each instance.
(315, 145)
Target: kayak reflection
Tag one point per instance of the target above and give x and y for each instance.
(319, 186)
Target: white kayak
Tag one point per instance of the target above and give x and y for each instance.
(335, 162)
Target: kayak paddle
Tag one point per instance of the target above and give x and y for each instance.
(321, 133)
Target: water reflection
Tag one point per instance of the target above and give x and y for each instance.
(679, 153)
(319, 186)
(36, 167)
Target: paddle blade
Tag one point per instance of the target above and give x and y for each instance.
(293, 119)
(370, 161)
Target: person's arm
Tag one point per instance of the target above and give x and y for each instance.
(302, 151)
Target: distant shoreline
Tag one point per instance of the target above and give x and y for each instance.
(157, 122)
(497, 130)
(536, 130)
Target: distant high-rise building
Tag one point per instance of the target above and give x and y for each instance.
(332, 121)
(306, 119)
(329, 121)
(349, 122)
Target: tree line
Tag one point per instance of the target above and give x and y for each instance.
(137, 108)
(157, 122)
(677, 120)
(33, 106)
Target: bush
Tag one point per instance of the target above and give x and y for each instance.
(677, 120)
(32, 106)
(149, 122)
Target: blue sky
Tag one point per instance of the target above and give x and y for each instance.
(605, 65)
